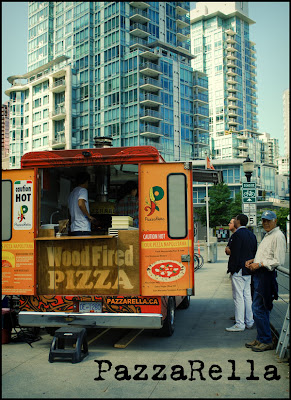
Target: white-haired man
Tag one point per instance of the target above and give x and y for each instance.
(270, 254)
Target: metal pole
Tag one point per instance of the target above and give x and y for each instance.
(207, 222)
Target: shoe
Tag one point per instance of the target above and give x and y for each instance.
(250, 326)
(263, 347)
(234, 328)
(251, 344)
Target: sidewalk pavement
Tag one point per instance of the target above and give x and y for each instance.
(227, 368)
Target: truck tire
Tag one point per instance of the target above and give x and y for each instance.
(169, 322)
(185, 303)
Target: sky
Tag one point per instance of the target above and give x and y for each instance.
(270, 33)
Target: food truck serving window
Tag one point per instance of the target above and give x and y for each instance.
(177, 206)
(6, 210)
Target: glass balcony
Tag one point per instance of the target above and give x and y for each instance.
(231, 63)
(181, 37)
(58, 86)
(201, 98)
(138, 43)
(139, 30)
(149, 84)
(139, 16)
(231, 72)
(59, 141)
(230, 40)
(184, 45)
(181, 9)
(201, 111)
(231, 88)
(150, 55)
(232, 121)
(150, 115)
(230, 32)
(201, 126)
(58, 113)
(231, 81)
(230, 47)
(231, 104)
(201, 83)
(182, 21)
(232, 96)
(139, 4)
(150, 100)
(232, 113)
(150, 69)
(150, 131)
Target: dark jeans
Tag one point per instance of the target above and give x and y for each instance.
(81, 233)
(261, 315)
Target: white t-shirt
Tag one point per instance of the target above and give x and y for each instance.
(79, 222)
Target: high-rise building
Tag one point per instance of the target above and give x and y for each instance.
(113, 69)
(5, 131)
(220, 40)
(286, 121)
(272, 146)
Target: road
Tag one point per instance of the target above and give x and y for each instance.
(201, 359)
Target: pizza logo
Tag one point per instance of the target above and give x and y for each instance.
(23, 210)
(156, 194)
(166, 271)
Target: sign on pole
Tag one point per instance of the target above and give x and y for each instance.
(249, 202)
(249, 192)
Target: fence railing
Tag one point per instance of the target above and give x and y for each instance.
(279, 317)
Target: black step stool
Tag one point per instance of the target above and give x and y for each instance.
(69, 336)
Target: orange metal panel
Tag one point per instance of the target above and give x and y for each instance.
(163, 273)
(18, 253)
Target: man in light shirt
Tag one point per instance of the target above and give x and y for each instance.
(270, 254)
(79, 207)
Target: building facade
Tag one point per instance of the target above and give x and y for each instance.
(272, 147)
(113, 69)
(5, 129)
(220, 40)
(286, 121)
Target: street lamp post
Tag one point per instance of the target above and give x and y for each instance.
(248, 167)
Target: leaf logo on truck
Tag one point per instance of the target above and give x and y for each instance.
(23, 210)
(166, 271)
(156, 194)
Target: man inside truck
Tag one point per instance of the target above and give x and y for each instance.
(79, 207)
(128, 202)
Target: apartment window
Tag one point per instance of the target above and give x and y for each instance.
(36, 129)
(36, 143)
(37, 89)
(37, 103)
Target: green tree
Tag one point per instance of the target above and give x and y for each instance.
(219, 206)
(236, 205)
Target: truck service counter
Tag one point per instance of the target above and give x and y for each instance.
(103, 264)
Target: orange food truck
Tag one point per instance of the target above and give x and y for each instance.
(118, 277)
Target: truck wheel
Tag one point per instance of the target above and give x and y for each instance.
(169, 322)
(185, 303)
